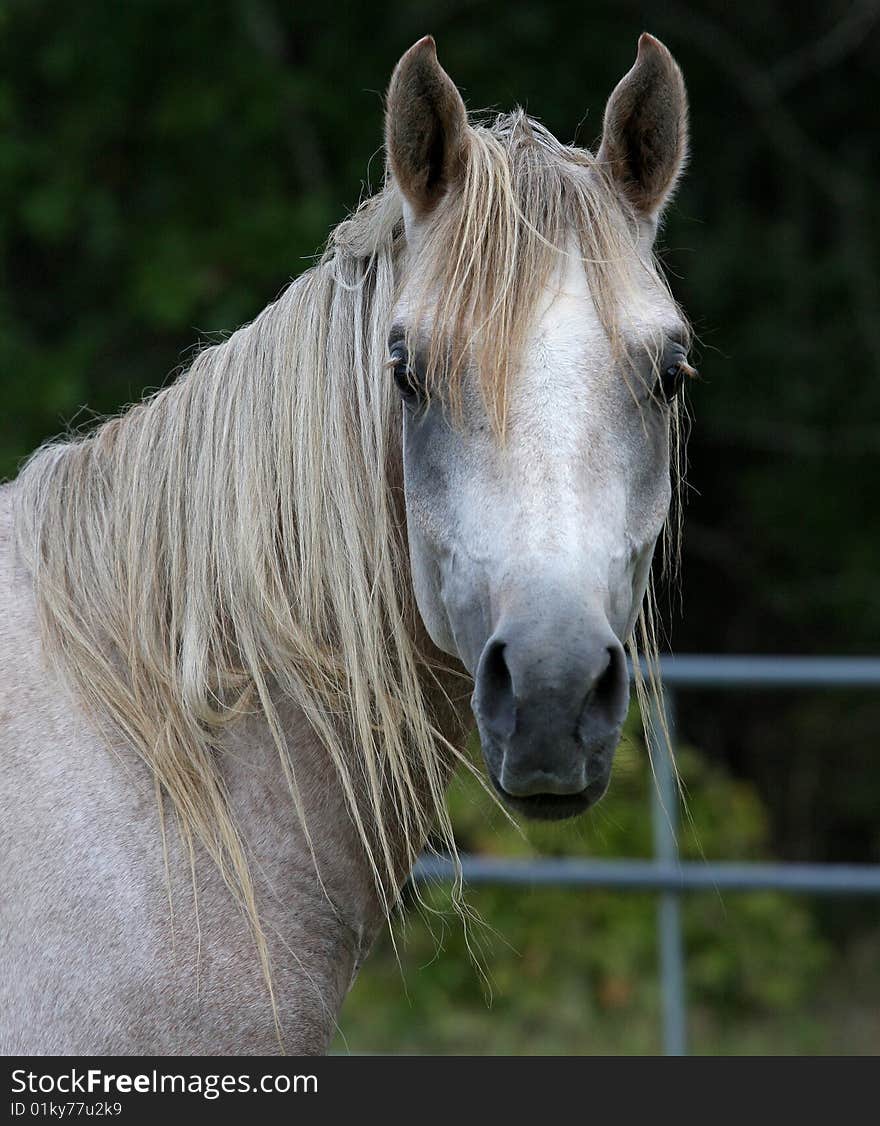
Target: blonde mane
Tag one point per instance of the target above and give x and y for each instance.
(238, 537)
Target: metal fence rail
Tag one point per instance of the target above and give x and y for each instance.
(647, 875)
(666, 874)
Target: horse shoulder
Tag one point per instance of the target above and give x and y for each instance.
(115, 941)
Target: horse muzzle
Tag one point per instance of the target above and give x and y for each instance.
(550, 697)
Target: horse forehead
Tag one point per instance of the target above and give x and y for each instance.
(570, 387)
(567, 314)
(567, 351)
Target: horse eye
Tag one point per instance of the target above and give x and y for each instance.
(404, 376)
(672, 379)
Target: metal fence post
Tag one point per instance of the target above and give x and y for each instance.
(665, 807)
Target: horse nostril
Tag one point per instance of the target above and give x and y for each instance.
(494, 699)
(608, 697)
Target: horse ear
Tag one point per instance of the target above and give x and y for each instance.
(645, 136)
(425, 127)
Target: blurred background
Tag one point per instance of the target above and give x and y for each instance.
(166, 168)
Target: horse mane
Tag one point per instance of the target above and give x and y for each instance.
(237, 537)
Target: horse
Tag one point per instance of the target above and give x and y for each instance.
(241, 619)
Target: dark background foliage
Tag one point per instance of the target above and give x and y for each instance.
(166, 167)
